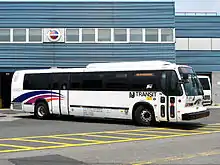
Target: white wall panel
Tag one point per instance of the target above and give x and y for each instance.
(215, 43)
(182, 44)
(200, 44)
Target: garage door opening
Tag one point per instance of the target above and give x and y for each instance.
(6, 79)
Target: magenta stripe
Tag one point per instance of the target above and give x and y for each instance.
(41, 96)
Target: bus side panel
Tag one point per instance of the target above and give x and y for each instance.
(104, 104)
(108, 104)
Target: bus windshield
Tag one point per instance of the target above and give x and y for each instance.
(193, 86)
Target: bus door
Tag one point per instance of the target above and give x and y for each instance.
(174, 91)
(168, 100)
(60, 101)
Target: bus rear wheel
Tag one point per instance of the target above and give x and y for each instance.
(144, 116)
(41, 110)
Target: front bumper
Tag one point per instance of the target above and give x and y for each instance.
(195, 115)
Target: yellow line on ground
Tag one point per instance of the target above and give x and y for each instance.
(92, 143)
(164, 132)
(103, 132)
(39, 141)
(175, 158)
(15, 150)
(79, 139)
(210, 129)
(135, 134)
(178, 130)
(86, 133)
(15, 146)
(105, 136)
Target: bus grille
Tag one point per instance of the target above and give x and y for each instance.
(16, 106)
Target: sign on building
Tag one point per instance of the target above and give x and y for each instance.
(54, 35)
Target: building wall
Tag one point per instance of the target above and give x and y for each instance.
(198, 42)
(26, 54)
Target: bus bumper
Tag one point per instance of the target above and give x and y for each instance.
(195, 115)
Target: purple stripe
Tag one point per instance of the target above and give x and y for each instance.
(33, 100)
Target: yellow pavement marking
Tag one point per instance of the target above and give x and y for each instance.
(164, 132)
(119, 131)
(15, 150)
(135, 134)
(87, 142)
(86, 133)
(79, 139)
(175, 158)
(210, 129)
(39, 141)
(15, 146)
(105, 136)
(178, 130)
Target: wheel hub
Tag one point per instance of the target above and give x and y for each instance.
(146, 116)
(41, 111)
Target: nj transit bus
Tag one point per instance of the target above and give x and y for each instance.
(145, 92)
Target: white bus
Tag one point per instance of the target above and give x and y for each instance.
(207, 89)
(145, 92)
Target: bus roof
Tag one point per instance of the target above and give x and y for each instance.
(112, 66)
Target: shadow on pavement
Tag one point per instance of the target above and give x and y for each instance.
(170, 125)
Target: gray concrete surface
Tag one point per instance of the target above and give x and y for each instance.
(193, 149)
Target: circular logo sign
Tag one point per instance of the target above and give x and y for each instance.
(53, 35)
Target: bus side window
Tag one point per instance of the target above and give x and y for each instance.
(36, 81)
(75, 81)
(174, 86)
(60, 81)
(144, 81)
(116, 81)
(163, 82)
(92, 81)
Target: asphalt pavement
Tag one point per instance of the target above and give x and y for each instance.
(67, 140)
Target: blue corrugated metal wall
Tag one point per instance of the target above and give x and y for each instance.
(83, 14)
(197, 26)
(201, 61)
(77, 55)
(87, 14)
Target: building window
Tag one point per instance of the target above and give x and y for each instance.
(4, 35)
(104, 35)
(19, 35)
(136, 35)
(72, 35)
(35, 35)
(167, 35)
(88, 35)
(151, 35)
(120, 35)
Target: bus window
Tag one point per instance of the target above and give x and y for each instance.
(174, 86)
(75, 81)
(60, 81)
(169, 84)
(36, 81)
(144, 81)
(92, 81)
(114, 81)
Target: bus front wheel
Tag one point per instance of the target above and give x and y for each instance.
(41, 110)
(144, 115)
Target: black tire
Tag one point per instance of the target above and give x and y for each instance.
(144, 116)
(41, 110)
